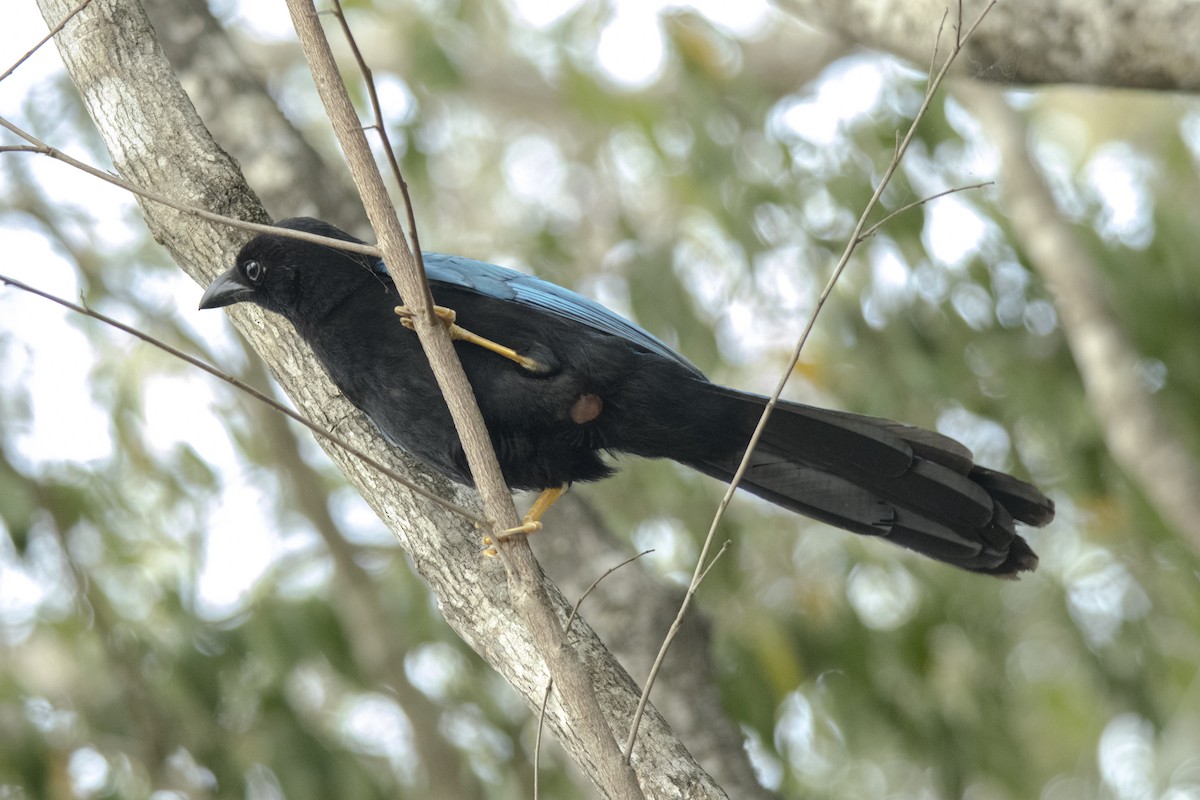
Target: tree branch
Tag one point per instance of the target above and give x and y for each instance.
(1136, 44)
(41, 148)
(1135, 428)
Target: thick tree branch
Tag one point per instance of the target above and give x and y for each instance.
(1135, 428)
(1138, 44)
(234, 103)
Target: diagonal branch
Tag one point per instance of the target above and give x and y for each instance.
(381, 130)
(1135, 428)
(62, 23)
(1133, 44)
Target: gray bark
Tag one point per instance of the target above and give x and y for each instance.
(1136, 44)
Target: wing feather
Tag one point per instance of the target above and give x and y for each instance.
(509, 285)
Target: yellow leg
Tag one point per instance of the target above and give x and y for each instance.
(532, 523)
(447, 316)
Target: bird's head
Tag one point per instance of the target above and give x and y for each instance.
(288, 275)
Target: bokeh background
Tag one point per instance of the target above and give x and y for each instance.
(193, 603)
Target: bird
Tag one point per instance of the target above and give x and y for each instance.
(563, 382)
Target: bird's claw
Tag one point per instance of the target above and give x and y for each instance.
(531, 523)
(407, 316)
(447, 316)
(524, 529)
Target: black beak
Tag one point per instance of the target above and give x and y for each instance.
(227, 289)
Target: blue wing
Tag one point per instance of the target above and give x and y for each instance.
(509, 285)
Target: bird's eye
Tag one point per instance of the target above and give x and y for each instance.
(254, 271)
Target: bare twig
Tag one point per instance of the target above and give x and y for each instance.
(385, 140)
(62, 24)
(677, 623)
(40, 147)
(937, 43)
(537, 742)
(855, 239)
(250, 390)
(871, 231)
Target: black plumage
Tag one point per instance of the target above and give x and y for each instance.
(606, 385)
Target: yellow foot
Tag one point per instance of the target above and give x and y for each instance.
(531, 523)
(447, 316)
(406, 314)
(524, 529)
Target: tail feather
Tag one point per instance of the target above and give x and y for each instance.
(808, 490)
(933, 446)
(939, 491)
(1022, 500)
(842, 438)
(914, 487)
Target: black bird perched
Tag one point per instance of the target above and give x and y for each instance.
(580, 380)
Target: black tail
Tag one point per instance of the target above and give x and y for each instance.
(873, 476)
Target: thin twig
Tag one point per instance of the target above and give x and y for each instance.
(697, 578)
(871, 231)
(381, 129)
(855, 239)
(250, 390)
(70, 16)
(40, 147)
(575, 609)
(537, 741)
(937, 43)
(713, 562)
